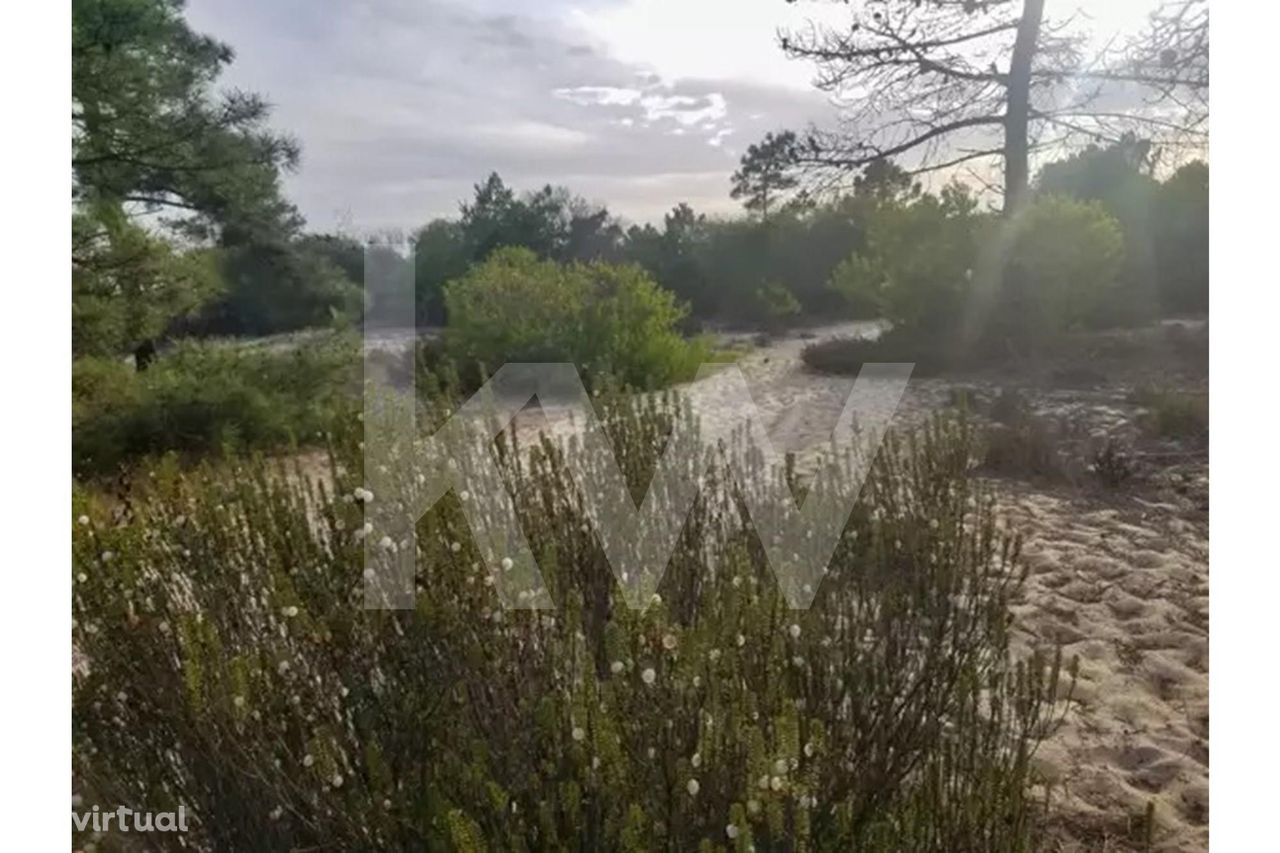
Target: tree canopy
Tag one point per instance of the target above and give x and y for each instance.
(148, 129)
(166, 168)
(767, 172)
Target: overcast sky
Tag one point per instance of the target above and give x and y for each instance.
(402, 105)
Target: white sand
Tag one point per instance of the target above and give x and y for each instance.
(1130, 597)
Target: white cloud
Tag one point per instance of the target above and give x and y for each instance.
(717, 139)
(601, 95)
(707, 39)
(684, 109)
(654, 104)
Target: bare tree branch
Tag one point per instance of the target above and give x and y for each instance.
(938, 81)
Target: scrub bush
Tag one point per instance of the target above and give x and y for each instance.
(605, 318)
(227, 664)
(202, 398)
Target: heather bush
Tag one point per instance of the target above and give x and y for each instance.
(1113, 464)
(1026, 448)
(1022, 443)
(225, 662)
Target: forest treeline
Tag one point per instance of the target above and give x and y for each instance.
(808, 259)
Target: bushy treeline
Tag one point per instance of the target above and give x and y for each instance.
(743, 270)
(227, 664)
(876, 251)
(873, 249)
(738, 270)
(1165, 223)
(1100, 244)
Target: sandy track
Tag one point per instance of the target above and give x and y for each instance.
(1128, 594)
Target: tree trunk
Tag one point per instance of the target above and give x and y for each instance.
(1018, 106)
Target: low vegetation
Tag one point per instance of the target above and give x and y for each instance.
(221, 625)
(1028, 448)
(1174, 414)
(846, 355)
(209, 399)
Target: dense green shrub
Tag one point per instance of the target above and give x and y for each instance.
(207, 397)
(605, 318)
(1182, 241)
(1118, 177)
(775, 305)
(915, 269)
(1165, 224)
(1061, 272)
(226, 663)
(958, 286)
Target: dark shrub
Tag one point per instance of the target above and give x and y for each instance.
(1174, 414)
(1113, 464)
(847, 355)
(1021, 443)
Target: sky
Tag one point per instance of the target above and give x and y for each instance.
(402, 105)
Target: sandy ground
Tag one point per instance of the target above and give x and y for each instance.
(1126, 591)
